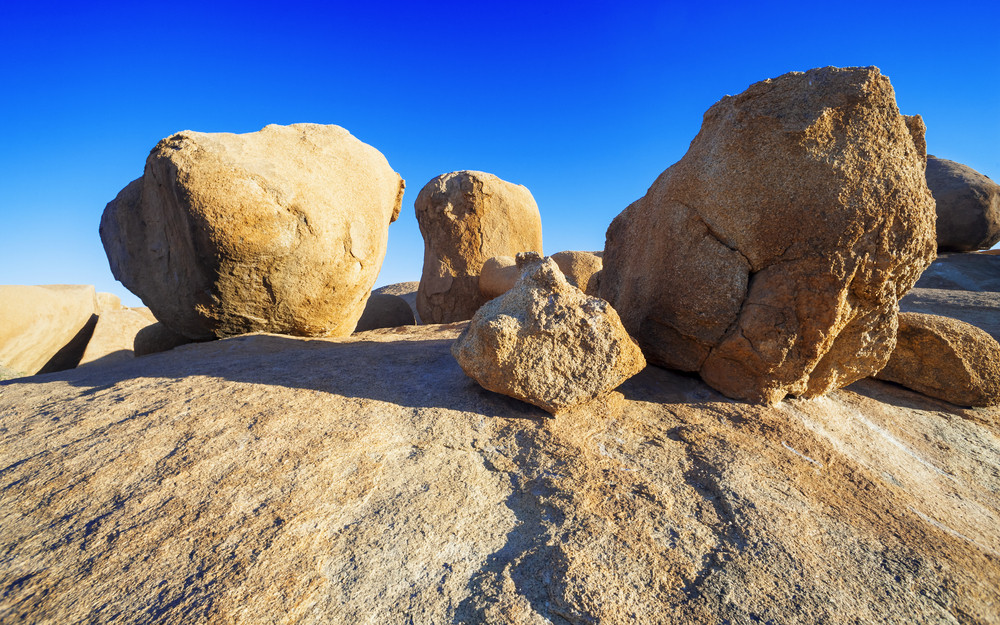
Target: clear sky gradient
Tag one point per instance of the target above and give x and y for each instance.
(583, 103)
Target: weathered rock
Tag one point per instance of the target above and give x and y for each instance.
(156, 338)
(498, 275)
(968, 206)
(466, 218)
(546, 342)
(582, 269)
(406, 290)
(771, 258)
(282, 230)
(115, 331)
(44, 328)
(240, 481)
(385, 311)
(945, 358)
(981, 309)
(964, 272)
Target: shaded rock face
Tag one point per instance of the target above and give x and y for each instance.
(239, 481)
(157, 337)
(945, 358)
(770, 259)
(385, 311)
(281, 230)
(405, 290)
(546, 342)
(968, 206)
(44, 328)
(963, 272)
(467, 217)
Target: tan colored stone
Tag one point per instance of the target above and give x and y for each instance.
(282, 230)
(498, 275)
(770, 259)
(155, 338)
(466, 218)
(261, 479)
(546, 342)
(406, 290)
(44, 328)
(945, 358)
(968, 206)
(114, 334)
(385, 311)
(108, 302)
(582, 269)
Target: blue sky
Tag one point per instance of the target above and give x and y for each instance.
(583, 103)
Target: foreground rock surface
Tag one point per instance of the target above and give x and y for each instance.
(770, 259)
(945, 358)
(466, 218)
(282, 230)
(968, 206)
(546, 342)
(44, 328)
(239, 480)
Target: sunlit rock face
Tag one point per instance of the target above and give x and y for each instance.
(546, 342)
(281, 230)
(466, 218)
(771, 257)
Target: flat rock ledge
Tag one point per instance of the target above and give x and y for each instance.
(268, 479)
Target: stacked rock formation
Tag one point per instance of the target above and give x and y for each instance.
(546, 342)
(282, 230)
(968, 206)
(44, 328)
(945, 358)
(467, 217)
(770, 259)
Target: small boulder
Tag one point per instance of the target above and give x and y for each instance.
(581, 269)
(385, 311)
(114, 334)
(157, 337)
(281, 230)
(499, 274)
(546, 342)
(772, 256)
(968, 206)
(466, 218)
(945, 358)
(45, 328)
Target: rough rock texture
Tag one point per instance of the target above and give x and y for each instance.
(115, 330)
(156, 338)
(965, 272)
(945, 358)
(582, 269)
(771, 258)
(406, 290)
(281, 230)
(979, 309)
(498, 275)
(467, 217)
(240, 481)
(44, 328)
(968, 206)
(385, 311)
(546, 342)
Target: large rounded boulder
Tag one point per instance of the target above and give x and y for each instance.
(772, 256)
(968, 206)
(282, 230)
(466, 218)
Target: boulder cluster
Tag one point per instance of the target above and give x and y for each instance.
(770, 260)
